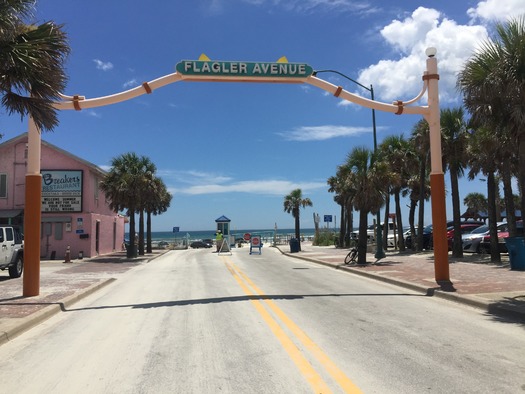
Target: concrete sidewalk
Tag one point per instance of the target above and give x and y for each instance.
(475, 281)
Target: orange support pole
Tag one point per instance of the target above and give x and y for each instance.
(439, 222)
(32, 218)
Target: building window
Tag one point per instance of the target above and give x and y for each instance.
(3, 185)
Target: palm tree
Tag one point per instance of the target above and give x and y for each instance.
(420, 140)
(396, 151)
(475, 203)
(493, 87)
(145, 183)
(157, 201)
(292, 204)
(369, 179)
(31, 64)
(123, 186)
(483, 147)
(454, 138)
(344, 195)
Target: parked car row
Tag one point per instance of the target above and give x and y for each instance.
(504, 233)
(472, 241)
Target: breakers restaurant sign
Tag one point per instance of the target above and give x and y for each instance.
(208, 69)
(61, 191)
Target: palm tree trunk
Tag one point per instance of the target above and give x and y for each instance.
(421, 211)
(362, 240)
(399, 221)
(132, 250)
(141, 233)
(457, 250)
(342, 230)
(411, 220)
(297, 228)
(148, 232)
(349, 223)
(385, 227)
(506, 177)
(491, 197)
(521, 155)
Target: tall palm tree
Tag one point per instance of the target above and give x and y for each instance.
(344, 195)
(145, 184)
(454, 139)
(369, 179)
(123, 185)
(32, 62)
(493, 87)
(157, 201)
(395, 150)
(483, 147)
(293, 203)
(420, 140)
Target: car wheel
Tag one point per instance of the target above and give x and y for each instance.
(15, 271)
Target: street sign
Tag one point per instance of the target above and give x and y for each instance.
(175, 229)
(255, 243)
(328, 218)
(243, 69)
(247, 236)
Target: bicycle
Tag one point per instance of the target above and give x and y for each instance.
(351, 257)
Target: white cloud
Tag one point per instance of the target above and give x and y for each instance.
(267, 187)
(198, 182)
(400, 79)
(320, 133)
(499, 10)
(131, 83)
(104, 66)
(310, 6)
(193, 177)
(94, 114)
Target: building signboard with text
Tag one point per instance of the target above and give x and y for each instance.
(62, 190)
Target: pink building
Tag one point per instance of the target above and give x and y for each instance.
(75, 213)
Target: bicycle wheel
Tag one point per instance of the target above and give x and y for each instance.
(350, 257)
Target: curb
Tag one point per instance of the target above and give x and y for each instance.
(472, 301)
(49, 311)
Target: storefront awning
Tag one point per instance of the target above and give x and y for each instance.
(10, 213)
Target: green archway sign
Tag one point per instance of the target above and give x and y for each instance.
(243, 70)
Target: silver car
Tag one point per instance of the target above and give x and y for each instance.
(471, 241)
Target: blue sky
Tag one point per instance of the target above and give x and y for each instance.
(237, 149)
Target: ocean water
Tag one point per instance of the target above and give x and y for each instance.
(168, 236)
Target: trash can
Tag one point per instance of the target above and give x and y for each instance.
(294, 245)
(516, 248)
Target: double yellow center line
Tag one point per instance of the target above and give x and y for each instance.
(312, 376)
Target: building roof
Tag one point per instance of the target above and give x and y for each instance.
(222, 219)
(24, 137)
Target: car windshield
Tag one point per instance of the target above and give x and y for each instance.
(480, 229)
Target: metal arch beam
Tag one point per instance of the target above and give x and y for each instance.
(77, 103)
(33, 195)
(364, 102)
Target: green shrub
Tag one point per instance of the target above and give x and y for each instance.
(324, 238)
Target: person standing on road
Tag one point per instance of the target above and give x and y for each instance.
(218, 240)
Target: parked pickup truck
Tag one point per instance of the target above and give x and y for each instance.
(11, 250)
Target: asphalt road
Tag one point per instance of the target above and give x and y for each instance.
(197, 322)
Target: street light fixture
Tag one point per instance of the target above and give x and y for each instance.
(380, 253)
